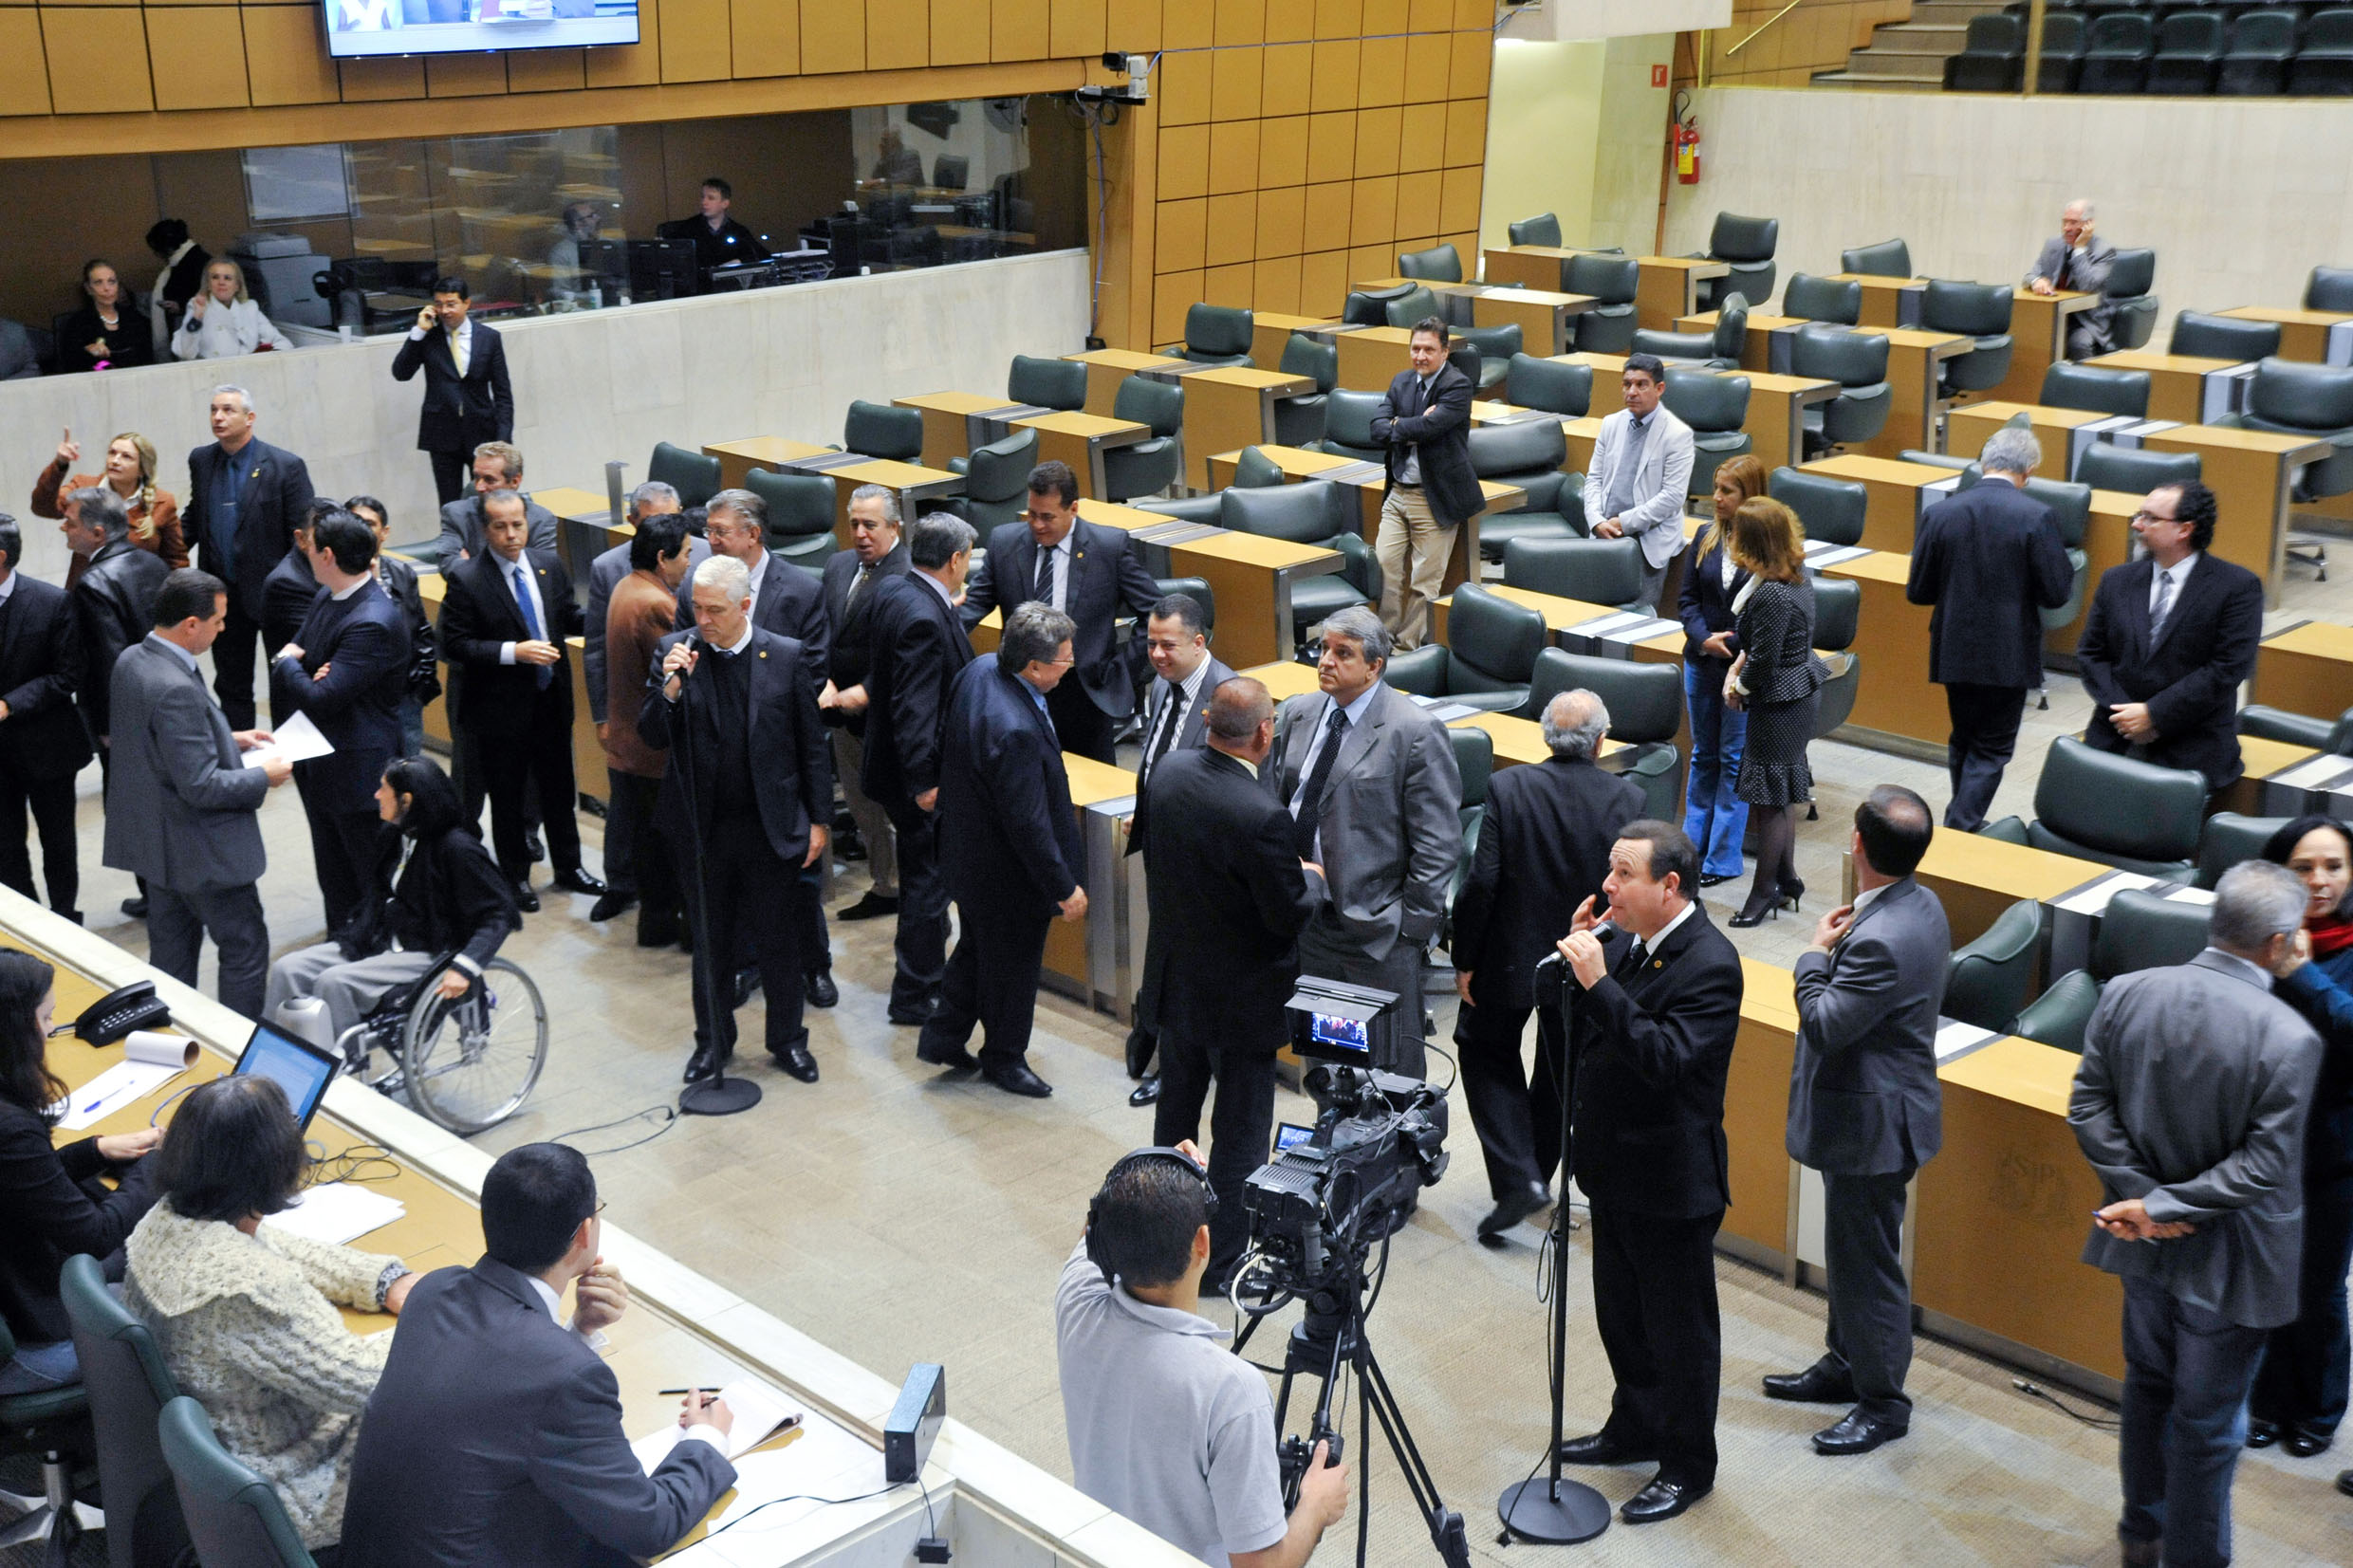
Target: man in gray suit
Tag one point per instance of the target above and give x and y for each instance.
(2191, 1104)
(497, 465)
(182, 800)
(2077, 261)
(1636, 483)
(1866, 1111)
(1372, 787)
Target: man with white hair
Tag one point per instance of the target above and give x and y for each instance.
(2191, 1106)
(244, 499)
(1991, 560)
(2077, 261)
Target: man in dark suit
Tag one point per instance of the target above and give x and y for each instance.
(1989, 559)
(42, 742)
(1424, 425)
(293, 582)
(1866, 1111)
(2191, 1104)
(916, 648)
(497, 465)
(748, 799)
(467, 401)
(1655, 1018)
(878, 550)
(1011, 839)
(787, 603)
(2169, 641)
(1091, 573)
(1230, 926)
(182, 800)
(347, 666)
(245, 497)
(446, 1476)
(1544, 849)
(113, 598)
(1176, 719)
(505, 617)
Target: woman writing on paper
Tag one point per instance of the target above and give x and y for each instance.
(245, 1316)
(51, 1203)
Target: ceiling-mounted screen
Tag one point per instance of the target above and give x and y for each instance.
(358, 27)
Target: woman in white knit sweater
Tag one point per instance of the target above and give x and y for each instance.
(224, 320)
(246, 1316)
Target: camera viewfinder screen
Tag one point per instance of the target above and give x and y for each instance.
(1290, 1135)
(443, 27)
(1340, 1034)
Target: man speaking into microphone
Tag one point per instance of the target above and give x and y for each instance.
(722, 694)
(1651, 1034)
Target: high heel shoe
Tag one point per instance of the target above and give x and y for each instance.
(1793, 890)
(1755, 910)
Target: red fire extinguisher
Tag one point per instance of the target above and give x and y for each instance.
(1686, 153)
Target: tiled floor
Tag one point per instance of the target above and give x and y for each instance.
(900, 1218)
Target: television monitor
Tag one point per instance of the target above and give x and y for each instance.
(360, 27)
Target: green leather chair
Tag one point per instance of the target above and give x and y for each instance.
(1490, 646)
(1646, 711)
(1474, 762)
(884, 431)
(693, 475)
(1986, 982)
(800, 514)
(2276, 723)
(2327, 289)
(1204, 509)
(1046, 384)
(128, 1385)
(53, 1424)
(2097, 805)
(1313, 512)
(1217, 335)
(1716, 406)
(1858, 361)
(1413, 305)
(1254, 471)
(2096, 390)
(2314, 401)
(1822, 300)
(1838, 610)
(1976, 311)
(2057, 1017)
(2205, 336)
(234, 1515)
(1496, 347)
(1719, 349)
(1829, 508)
(2071, 510)
(1548, 384)
(2009, 830)
(1747, 245)
(1598, 571)
(2132, 309)
(1197, 590)
(1887, 259)
(1348, 425)
(2143, 930)
(1298, 421)
(996, 480)
(1440, 263)
(2230, 839)
(1148, 467)
(1608, 327)
(1370, 306)
(1544, 228)
(1528, 454)
(2135, 470)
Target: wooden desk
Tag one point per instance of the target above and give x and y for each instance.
(1562, 616)
(2304, 334)
(1668, 286)
(1081, 440)
(431, 588)
(1297, 462)
(2251, 473)
(1270, 334)
(1759, 350)
(2264, 759)
(1066, 945)
(914, 483)
(1372, 357)
(1230, 408)
(2306, 668)
(1107, 367)
(2000, 1217)
(2178, 383)
(1757, 1227)
(1775, 423)
(2063, 432)
(951, 422)
(1284, 680)
(738, 458)
(1546, 319)
(1894, 696)
(1252, 579)
(1544, 267)
(1912, 360)
(1977, 877)
(589, 774)
(1886, 302)
(582, 519)
(2038, 330)
(1896, 496)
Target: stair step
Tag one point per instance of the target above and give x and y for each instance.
(1906, 62)
(1871, 80)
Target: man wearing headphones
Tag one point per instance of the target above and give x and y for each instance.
(1166, 1427)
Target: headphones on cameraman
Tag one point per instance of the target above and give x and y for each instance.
(1128, 1162)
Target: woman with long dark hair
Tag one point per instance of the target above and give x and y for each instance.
(51, 1202)
(438, 895)
(2300, 1392)
(1778, 681)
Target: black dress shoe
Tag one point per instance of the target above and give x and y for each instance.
(1142, 1045)
(612, 904)
(2303, 1441)
(525, 899)
(1018, 1080)
(746, 982)
(1661, 1500)
(1603, 1448)
(796, 1062)
(954, 1058)
(706, 1060)
(821, 991)
(577, 880)
(136, 908)
(1856, 1433)
(1717, 878)
(870, 907)
(2262, 1435)
(1147, 1092)
(1513, 1210)
(1816, 1385)
(535, 847)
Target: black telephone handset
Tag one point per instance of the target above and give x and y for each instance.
(119, 1011)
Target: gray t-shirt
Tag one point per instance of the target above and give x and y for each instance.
(1167, 1427)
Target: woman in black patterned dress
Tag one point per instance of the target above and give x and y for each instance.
(1778, 680)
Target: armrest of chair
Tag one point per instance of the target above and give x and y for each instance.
(2277, 723)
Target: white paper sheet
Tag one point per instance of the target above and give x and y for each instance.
(757, 1409)
(297, 740)
(1955, 1037)
(113, 1089)
(2092, 897)
(338, 1212)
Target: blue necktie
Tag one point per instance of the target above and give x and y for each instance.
(544, 674)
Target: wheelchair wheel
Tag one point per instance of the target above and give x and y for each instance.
(469, 1064)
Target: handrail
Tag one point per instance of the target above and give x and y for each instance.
(1769, 22)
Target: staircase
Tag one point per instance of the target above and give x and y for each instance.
(1909, 56)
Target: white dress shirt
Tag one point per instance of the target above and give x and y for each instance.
(1188, 691)
(460, 342)
(1060, 554)
(1356, 711)
(2178, 574)
(1645, 946)
(538, 606)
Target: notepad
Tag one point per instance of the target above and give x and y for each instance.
(759, 1413)
(337, 1214)
(297, 740)
(110, 1091)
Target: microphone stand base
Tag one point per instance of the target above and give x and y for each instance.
(1553, 1513)
(719, 1097)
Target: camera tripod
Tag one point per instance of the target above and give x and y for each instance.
(1330, 1335)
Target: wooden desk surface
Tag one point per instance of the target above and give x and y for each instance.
(2040, 416)
(1123, 358)
(1698, 267)
(1877, 280)
(896, 475)
(2315, 639)
(2285, 315)
(761, 451)
(1113, 514)
(574, 504)
(2067, 301)
(2291, 449)
(1399, 335)
(1288, 679)
(1880, 470)
(1291, 323)
(1088, 427)
(1254, 550)
(953, 402)
(1091, 781)
(1257, 381)
(2141, 358)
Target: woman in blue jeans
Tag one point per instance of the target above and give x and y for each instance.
(1714, 817)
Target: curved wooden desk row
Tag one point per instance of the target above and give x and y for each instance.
(681, 1328)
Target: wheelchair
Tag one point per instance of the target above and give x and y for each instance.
(466, 1065)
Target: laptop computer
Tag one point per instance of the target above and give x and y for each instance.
(300, 1068)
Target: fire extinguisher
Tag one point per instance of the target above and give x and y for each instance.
(1686, 144)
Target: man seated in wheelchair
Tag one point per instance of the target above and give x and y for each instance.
(436, 897)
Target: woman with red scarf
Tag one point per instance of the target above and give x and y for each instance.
(2300, 1392)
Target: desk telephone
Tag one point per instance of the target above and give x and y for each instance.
(119, 1011)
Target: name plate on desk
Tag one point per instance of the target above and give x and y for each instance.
(1614, 636)
(1353, 473)
(997, 423)
(2323, 782)
(2221, 392)
(2098, 429)
(2341, 344)
(2075, 915)
(1821, 554)
(2134, 432)
(1444, 711)
(1955, 1040)
(823, 461)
